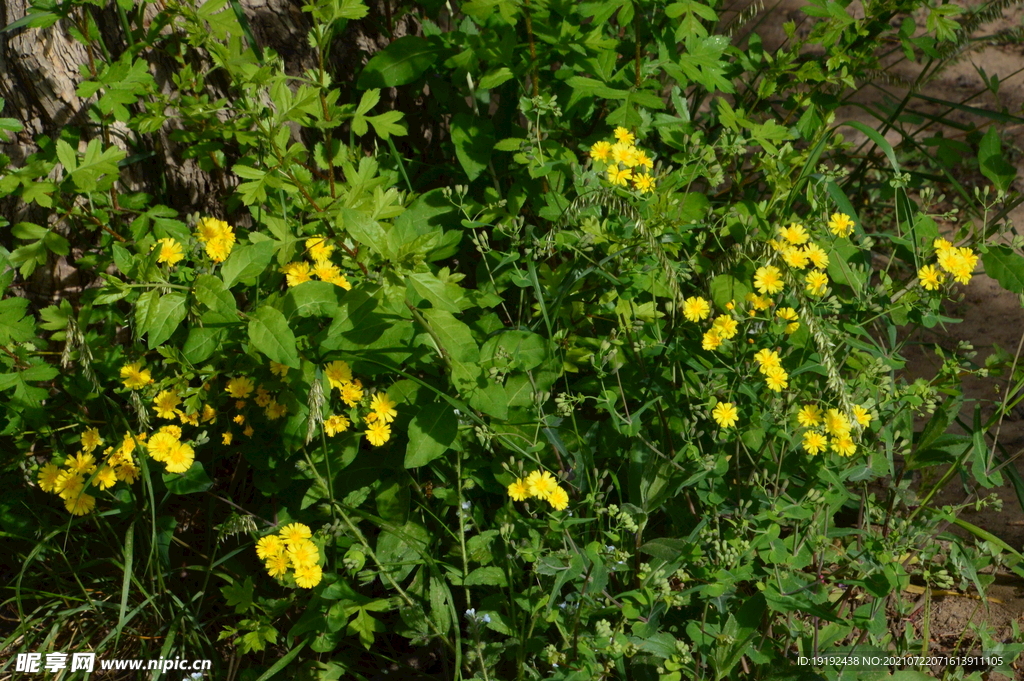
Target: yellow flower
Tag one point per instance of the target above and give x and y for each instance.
(794, 234)
(768, 279)
(559, 499)
(336, 424)
(134, 376)
(725, 325)
(816, 255)
(600, 151)
(339, 374)
(725, 414)
(809, 415)
(643, 183)
(209, 229)
(294, 533)
(180, 458)
(383, 408)
(278, 369)
(240, 419)
(91, 439)
(48, 476)
(642, 159)
(540, 484)
(787, 313)
(814, 443)
(940, 245)
(277, 565)
(795, 258)
(776, 379)
(227, 437)
(695, 309)
(619, 177)
(518, 490)
(931, 279)
(712, 339)
(248, 431)
(862, 415)
(296, 273)
(80, 504)
(378, 433)
(836, 423)
(81, 463)
(160, 446)
(269, 546)
(106, 478)
(166, 403)
(768, 359)
(308, 576)
(240, 387)
(127, 472)
(172, 430)
(274, 411)
(219, 249)
(840, 224)
(191, 419)
(844, 446)
(758, 302)
(69, 483)
(263, 397)
(170, 251)
(328, 272)
(209, 414)
(319, 249)
(303, 553)
(239, 404)
(352, 393)
(963, 265)
(623, 135)
(816, 283)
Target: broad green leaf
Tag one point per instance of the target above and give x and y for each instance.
(170, 311)
(993, 163)
(247, 262)
(191, 481)
(365, 230)
(238, 595)
(145, 312)
(313, 299)
(725, 288)
(202, 342)
(213, 293)
(400, 63)
(456, 338)
(522, 350)
(431, 432)
(495, 77)
(1006, 267)
(486, 576)
(474, 141)
(271, 335)
(434, 290)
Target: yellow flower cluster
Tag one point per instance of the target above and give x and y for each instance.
(958, 262)
(319, 250)
(166, 447)
(382, 408)
(291, 548)
(82, 470)
(800, 253)
(626, 164)
(540, 485)
(770, 365)
(217, 236)
(240, 388)
(820, 425)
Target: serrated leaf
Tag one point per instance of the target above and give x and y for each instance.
(271, 335)
(239, 595)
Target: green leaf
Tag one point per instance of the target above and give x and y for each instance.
(992, 163)
(431, 432)
(495, 77)
(365, 230)
(486, 576)
(387, 124)
(214, 294)
(145, 312)
(170, 311)
(271, 335)
(191, 481)
(1006, 267)
(201, 343)
(455, 337)
(725, 288)
(474, 142)
(433, 289)
(313, 299)
(239, 595)
(247, 262)
(522, 350)
(879, 140)
(400, 63)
